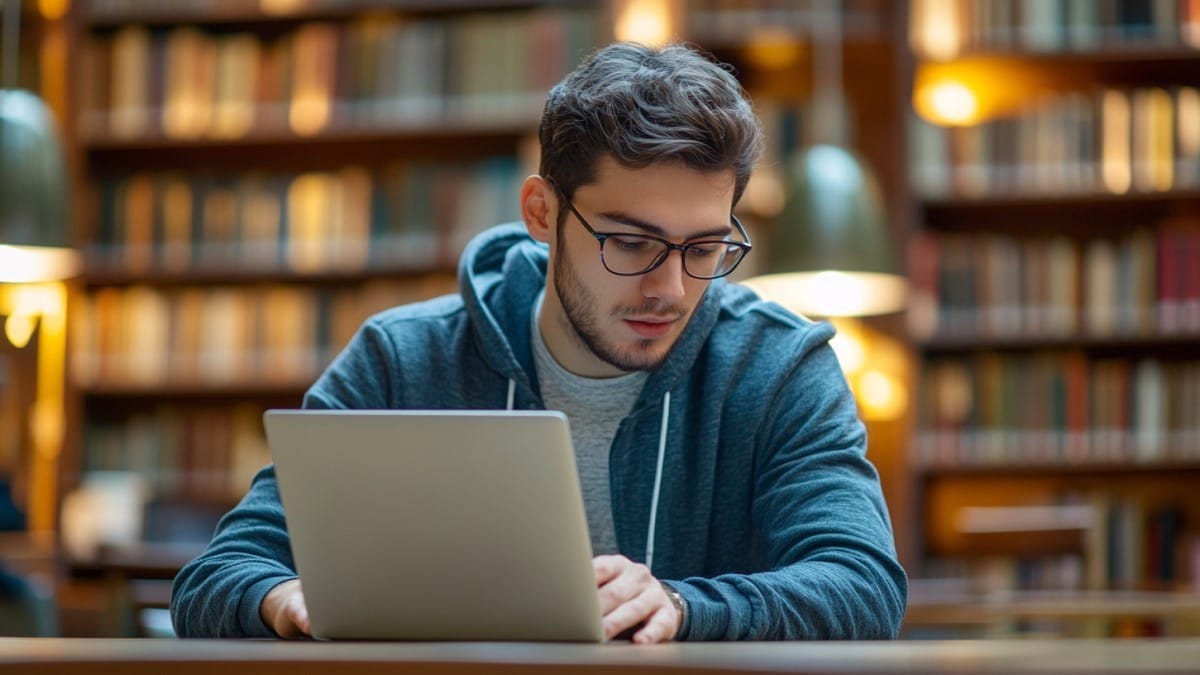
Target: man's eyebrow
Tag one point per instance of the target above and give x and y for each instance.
(651, 228)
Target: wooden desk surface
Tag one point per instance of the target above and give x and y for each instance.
(39, 656)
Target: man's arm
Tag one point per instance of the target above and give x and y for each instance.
(819, 510)
(220, 592)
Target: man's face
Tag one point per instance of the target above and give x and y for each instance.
(600, 324)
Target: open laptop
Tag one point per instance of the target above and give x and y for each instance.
(436, 525)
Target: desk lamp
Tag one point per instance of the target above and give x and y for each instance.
(34, 261)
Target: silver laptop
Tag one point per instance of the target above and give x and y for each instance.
(436, 525)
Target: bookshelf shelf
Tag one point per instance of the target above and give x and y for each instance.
(1014, 204)
(473, 128)
(212, 13)
(285, 150)
(931, 608)
(1132, 64)
(1148, 344)
(253, 389)
(102, 275)
(1085, 469)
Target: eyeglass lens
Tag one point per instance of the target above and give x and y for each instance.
(635, 255)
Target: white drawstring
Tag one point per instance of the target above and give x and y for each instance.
(662, 451)
(512, 392)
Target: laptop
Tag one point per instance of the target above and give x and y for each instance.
(436, 525)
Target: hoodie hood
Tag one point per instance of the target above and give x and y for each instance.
(503, 269)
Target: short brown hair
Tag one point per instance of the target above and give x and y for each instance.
(645, 105)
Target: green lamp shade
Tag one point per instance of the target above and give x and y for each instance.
(34, 236)
(832, 253)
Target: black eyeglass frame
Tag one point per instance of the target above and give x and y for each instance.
(744, 247)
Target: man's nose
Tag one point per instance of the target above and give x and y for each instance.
(665, 282)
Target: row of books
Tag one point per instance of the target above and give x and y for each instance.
(225, 336)
(1125, 543)
(995, 285)
(99, 9)
(181, 450)
(1056, 409)
(733, 21)
(407, 214)
(378, 72)
(1108, 141)
(944, 29)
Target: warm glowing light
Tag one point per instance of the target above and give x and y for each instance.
(18, 328)
(881, 395)
(877, 367)
(42, 306)
(833, 293)
(948, 103)
(53, 10)
(282, 7)
(935, 28)
(650, 22)
(26, 264)
(848, 345)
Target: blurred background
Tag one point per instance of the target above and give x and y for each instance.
(996, 201)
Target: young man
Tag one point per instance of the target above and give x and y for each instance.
(722, 461)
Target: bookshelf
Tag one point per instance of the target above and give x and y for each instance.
(255, 179)
(1056, 302)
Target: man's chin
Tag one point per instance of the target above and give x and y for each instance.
(642, 355)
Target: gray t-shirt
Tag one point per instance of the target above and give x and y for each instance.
(595, 408)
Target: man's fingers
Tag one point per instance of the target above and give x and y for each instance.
(620, 580)
(627, 614)
(660, 628)
(300, 617)
(631, 598)
(607, 567)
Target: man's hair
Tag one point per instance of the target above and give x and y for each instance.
(644, 106)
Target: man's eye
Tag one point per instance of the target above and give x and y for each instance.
(705, 250)
(631, 244)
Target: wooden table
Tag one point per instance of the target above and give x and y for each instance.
(41, 656)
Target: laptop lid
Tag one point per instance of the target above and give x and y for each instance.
(436, 525)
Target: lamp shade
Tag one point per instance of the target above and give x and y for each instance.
(34, 236)
(832, 253)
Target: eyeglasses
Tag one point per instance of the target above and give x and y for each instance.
(630, 255)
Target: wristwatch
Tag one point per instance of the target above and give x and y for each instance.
(680, 606)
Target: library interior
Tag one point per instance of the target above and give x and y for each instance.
(996, 203)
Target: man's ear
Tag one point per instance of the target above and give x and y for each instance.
(539, 207)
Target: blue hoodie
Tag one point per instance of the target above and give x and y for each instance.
(769, 519)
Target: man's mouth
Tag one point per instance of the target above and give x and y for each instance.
(651, 327)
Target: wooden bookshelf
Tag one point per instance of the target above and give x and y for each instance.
(252, 184)
(1055, 310)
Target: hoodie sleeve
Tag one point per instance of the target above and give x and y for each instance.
(823, 522)
(218, 594)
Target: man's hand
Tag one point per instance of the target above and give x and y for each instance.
(283, 609)
(631, 597)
